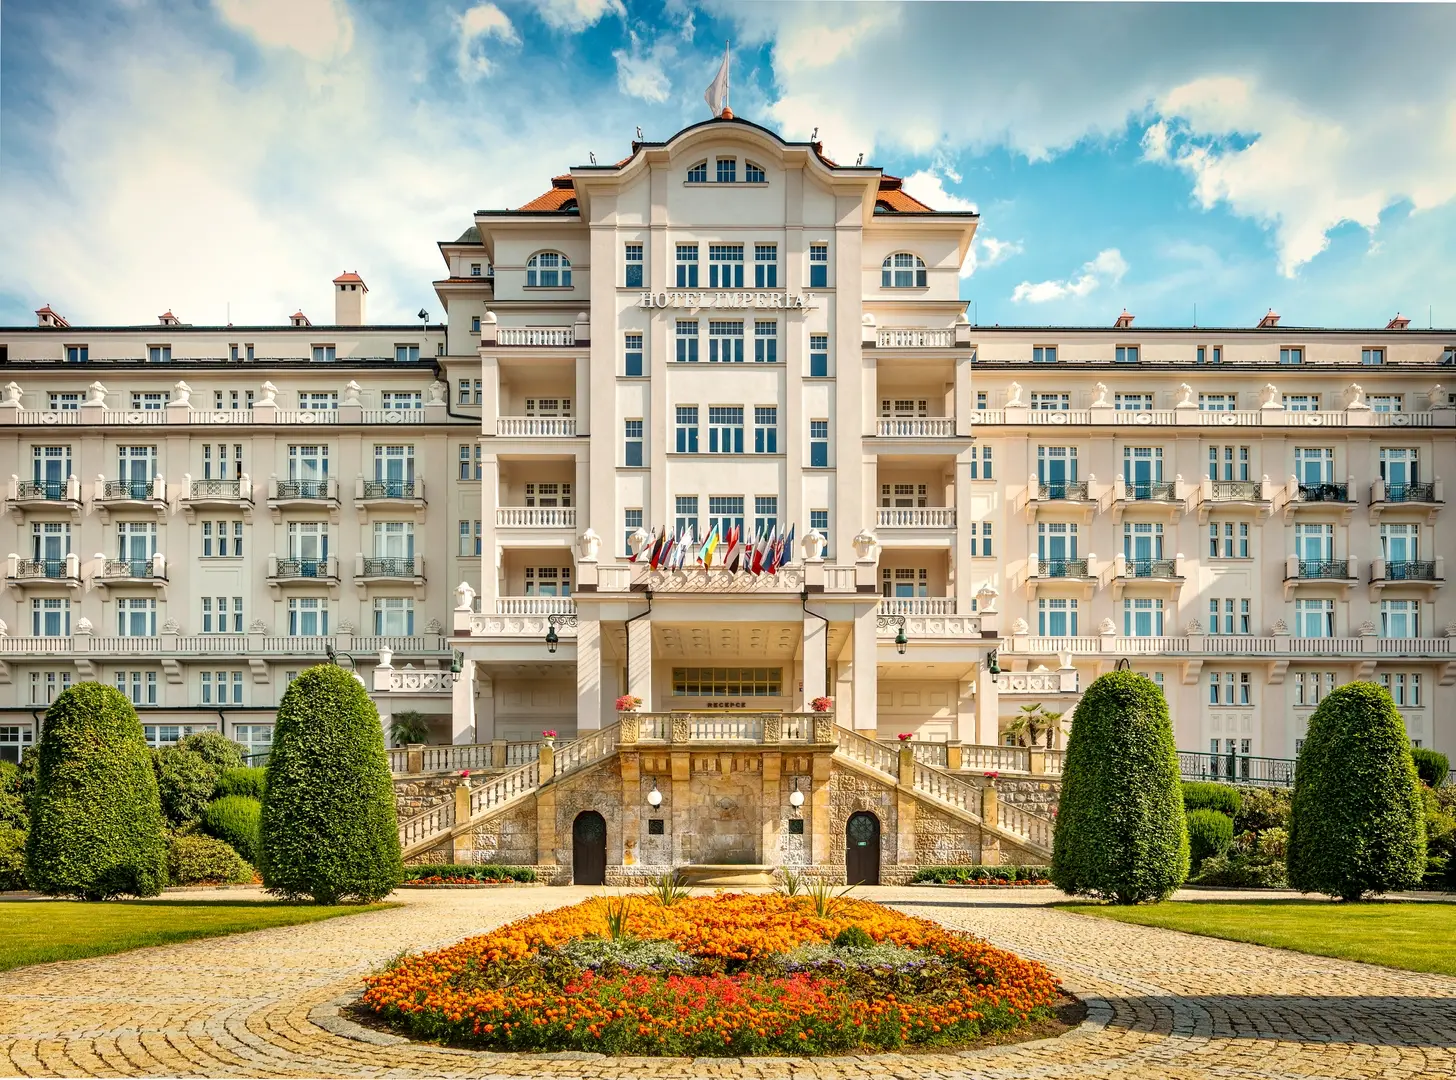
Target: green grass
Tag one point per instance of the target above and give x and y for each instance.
(1414, 936)
(40, 931)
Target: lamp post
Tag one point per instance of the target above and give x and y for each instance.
(901, 639)
(552, 622)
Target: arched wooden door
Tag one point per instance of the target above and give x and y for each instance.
(862, 849)
(589, 849)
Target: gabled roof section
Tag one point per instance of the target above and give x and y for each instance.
(894, 199)
(561, 197)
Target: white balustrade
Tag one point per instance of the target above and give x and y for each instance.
(918, 605)
(392, 416)
(535, 517)
(1015, 819)
(916, 427)
(585, 751)
(916, 517)
(867, 751)
(535, 605)
(548, 336)
(536, 426)
(914, 337)
(522, 753)
(726, 729)
(425, 826)
(996, 758)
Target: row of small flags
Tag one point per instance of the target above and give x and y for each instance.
(763, 554)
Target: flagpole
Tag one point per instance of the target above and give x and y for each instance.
(728, 68)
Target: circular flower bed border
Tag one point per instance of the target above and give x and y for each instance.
(726, 974)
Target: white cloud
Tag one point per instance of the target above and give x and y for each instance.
(994, 251)
(318, 29)
(641, 74)
(574, 16)
(927, 186)
(1155, 142)
(482, 23)
(1107, 267)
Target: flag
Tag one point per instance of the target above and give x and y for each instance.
(717, 92)
(775, 555)
(645, 550)
(656, 554)
(789, 546)
(665, 555)
(682, 551)
(710, 545)
(761, 551)
(732, 544)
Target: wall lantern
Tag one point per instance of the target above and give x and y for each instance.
(457, 664)
(552, 622)
(654, 797)
(901, 639)
(796, 798)
(993, 662)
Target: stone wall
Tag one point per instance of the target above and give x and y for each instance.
(508, 839)
(850, 791)
(1038, 794)
(943, 840)
(598, 788)
(415, 794)
(721, 823)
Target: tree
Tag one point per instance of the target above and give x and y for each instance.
(1357, 825)
(1027, 727)
(217, 750)
(328, 827)
(96, 820)
(1120, 832)
(409, 727)
(186, 783)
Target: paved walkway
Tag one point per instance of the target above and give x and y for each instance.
(1175, 1006)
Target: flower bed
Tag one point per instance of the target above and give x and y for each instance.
(469, 874)
(714, 975)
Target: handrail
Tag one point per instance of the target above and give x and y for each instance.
(584, 751)
(868, 751)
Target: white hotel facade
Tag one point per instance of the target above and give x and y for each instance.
(725, 328)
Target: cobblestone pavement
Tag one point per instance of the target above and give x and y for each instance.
(1164, 1005)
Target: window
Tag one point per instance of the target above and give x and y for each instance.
(1302, 402)
(1051, 402)
(548, 270)
(1314, 465)
(753, 174)
(140, 687)
(981, 402)
(725, 266)
(548, 406)
(765, 429)
(1126, 354)
(465, 397)
(308, 542)
(1218, 402)
(687, 265)
(904, 582)
(1314, 543)
(1372, 356)
(1400, 619)
(903, 495)
(1142, 617)
(160, 735)
(402, 399)
(1228, 615)
(632, 258)
(1237, 688)
(765, 266)
(819, 356)
(1314, 618)
(725, 429)
(765, 342)
(1386, 403)
(902, 271)
(1399, 544)
(765, 514)
(65, 402)
(475, 324)
(981, 464)
(1311, 686)
(1404, 688)
(394, 616)
(984, 551)
(727, 682)
(475, 269)
(687, 429)
(727, 170)
(318, 400)
(1142, 466)
(631, 522)
(226, 620)
(394, 541)
(159, 354)
(232, 400)
(548, 581)
(50, 543)
(632, 433)
(818, 266)
(698, 174)
(406, 354)
(471, 464)
(324, 354)
(1133, 402)
(724, 512)
(222, 687)
(219, 464)
(1212, 355)
(136, 617)
(1399, 468)
(687, 341)
(51, 468)
(50, 616)
(222, 539)
(819, 520)
(548, 495)
(151, 401)
(77, 354)
(1291, 355)
(1043, 354)
(819, 444)
(686, 521)
(1228, 539)
(308, 616)
(1228, 463)
(394, 467)
(1142, 541)
(256, 739)
(44, 686)
(1056, 617)
(632, 355)
(468, 546)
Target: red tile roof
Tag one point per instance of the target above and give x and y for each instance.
(562, 191)
(350, 277)
(894, 198)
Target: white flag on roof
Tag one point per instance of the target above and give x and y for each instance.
(717, 92)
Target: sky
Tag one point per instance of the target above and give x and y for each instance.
(225, 159)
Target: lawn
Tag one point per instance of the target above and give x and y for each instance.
(39, 931)
(1414, 936)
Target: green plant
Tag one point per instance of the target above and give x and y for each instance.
(790, 883)
(617, 910)
(1263, 808)
(943, 875)
(408, 727)
(185, 782)
(217, 750)
(12, 858)
(1432, 766)
(1201, 795)
(853, 937)
(826, 900)
(96, 819)
(1210, 832)
(1273, 844)
(613, 956)
(329, 829)
(250, 780)
(1120, 831)
(1238, 871)
(667, 889)
(235, 819)
(12, 805)
(1358, 821)
(471, 872)
(205, 860)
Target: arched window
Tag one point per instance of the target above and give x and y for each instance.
(753, 174)
(548, 270)
(698, 174)
(902, 271)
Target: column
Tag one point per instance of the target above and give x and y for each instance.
(631, 809)
(819, 845)
(965, 725)
(770, 808)
(816, 645)
(844, 694)
(484, 709)
(682, 797)
(639, 667)
(965, 587)
(988, 708)
(462, 706)
(866, 701)
(588, 669)
(963, 403)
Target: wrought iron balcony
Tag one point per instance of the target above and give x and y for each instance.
(1410, 493)
(41, 570)
(390, 567)
(223, 490)
(1237, 491)
(304, 489)
(1152, 568)
(1411, 570)
(137, 569)
(1139, 491)
(1063, 489)
(1324, 569)
(140, 490)
(304, 568)
(389, 489)
(1236, 768)
(1062, 568)
(48, 490)
(1330, 493)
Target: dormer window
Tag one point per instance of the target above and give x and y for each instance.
(475, 269)
(902, 271)
(753, 174)
(727, 170)
(698, 174)
(548, 270)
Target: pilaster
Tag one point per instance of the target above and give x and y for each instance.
(588, 669)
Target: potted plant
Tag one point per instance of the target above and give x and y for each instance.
(905, 736)
(628, 703)
(822, 704)
(549, 737)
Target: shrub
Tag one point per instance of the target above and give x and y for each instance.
(185, 782)
(1202, 795)
(217, 750)
(1273, 844)
(947, 875)
(205, 860)
(1358, 821)
(470, 872)
(12, 858)
(1234, 871)
(1431, 766)
(329, 829)
(12, 806)
(234, 819)
(248, 780)
(853, 937)
(409, 727)
(96, 819)
(1210, 832)
(1120, 831)
(1263, 808)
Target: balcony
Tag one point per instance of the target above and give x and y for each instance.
(1080, 574)
(1063, 491)
(915, 337)
(384, 569)
(1426, 575)
(535, 517)
(45, 495)
(1323, 493)
(130, 494)
(202, 646)
(217, 495)
(1066, 496)
(1341, 573)
(21, 573)
(1165, 572)
(524, 617)
(916, 517)
(916, 427)
(146, 571)
(1197, 645)
(926, 617)
(1256, 495)
(313, 494)
(282, 573)
(550, 337)
(1426, 499)
(1165, 497)
(536, 427)
(1062, 568)
(387, 495)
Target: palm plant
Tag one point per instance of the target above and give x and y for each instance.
(617, 910)
(790, 883)
(408, 727)
(1028, 726)
(825, 899)
(667, 889)
(1053, 722)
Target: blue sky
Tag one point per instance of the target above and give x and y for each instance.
(222, 157)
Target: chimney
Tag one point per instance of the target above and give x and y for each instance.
(298, 318)
(168, 319)
(1397, 323)
(349, 290)
(49, 317)
(1269, 321)
(1124, 321)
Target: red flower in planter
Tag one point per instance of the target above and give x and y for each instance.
(465, 774)
(992, 775)
(548, 734)
(822, 704)
(905, 736)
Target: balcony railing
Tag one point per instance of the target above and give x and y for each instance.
(1410, 493)
(1152, 568)
(1061, 568)
(140, 490)
(1236, 768)
(389, 489)
(304, 489)
(921, 517)
(1324, 569)
(1424, 570)
(234, 490)
(535, 335)
(535, 517)
(42, 570)
(1324, 493)
(535, 605)
(49, 490)
(916, 427)
(390, 567)
(304, 568)
(910, 337)
(918, 605)
(546, 427)
(137, 569)
(1140, 491)
(1059, 490)
(1237, 491)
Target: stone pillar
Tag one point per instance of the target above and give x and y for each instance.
(965, 722)
(866, 697)
(682, 778)
(639, 673)
(498, 753)
(816, 642)
(818, 840)
(771, 804)
(546, 808)
(463, 844)
(843, 694)
(990, 845)
(905, 808)
(414, 758)
(988, 708)
(462, 706)
(588, 670)
(484, 708)
(631, 810)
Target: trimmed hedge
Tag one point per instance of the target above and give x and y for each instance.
(329, 829)
(954, 875)
(185, 782)
(235, 819)
(96, 819)
(1358, 820)
(1120, 831)
(12, 858)
(1432, 766)
(205, 860)
(473, 871)
(1204, 795)
(12, 806)
(1210, 832)
(1263, 808)
(250, 780)
(217, 750)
